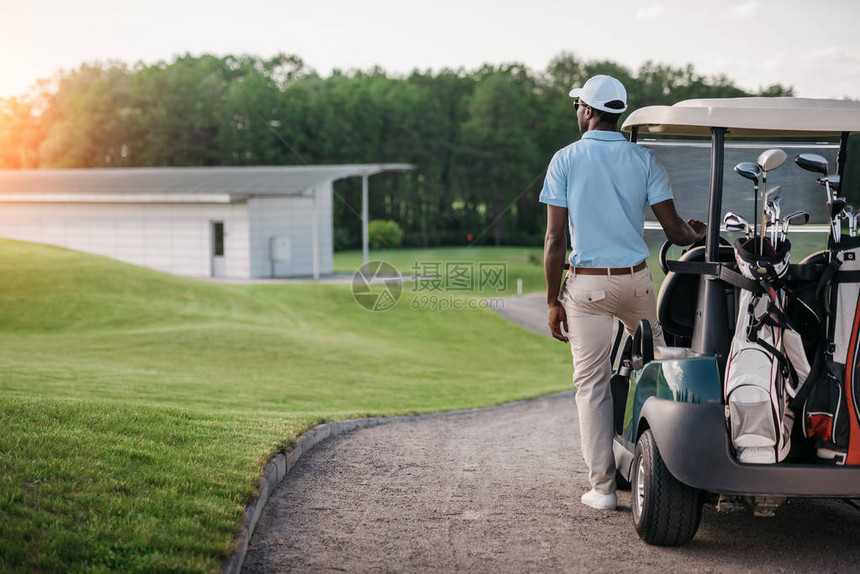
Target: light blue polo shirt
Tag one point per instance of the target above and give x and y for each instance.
(605, 182)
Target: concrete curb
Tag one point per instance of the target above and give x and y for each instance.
(278, 466)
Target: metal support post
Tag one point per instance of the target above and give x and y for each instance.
(365, 251)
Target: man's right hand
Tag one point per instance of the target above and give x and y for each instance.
(700, 227)
(556, 317)
(677, 230)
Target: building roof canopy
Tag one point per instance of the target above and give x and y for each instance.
(175, 184)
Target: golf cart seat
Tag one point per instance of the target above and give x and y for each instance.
(679, 297)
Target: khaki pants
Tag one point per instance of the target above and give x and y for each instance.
(590, 302)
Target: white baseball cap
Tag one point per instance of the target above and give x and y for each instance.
(599, 91)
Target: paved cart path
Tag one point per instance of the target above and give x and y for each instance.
(498, 491)
(527, 311)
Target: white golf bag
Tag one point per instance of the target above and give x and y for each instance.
(766, 360)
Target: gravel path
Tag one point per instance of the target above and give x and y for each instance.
(498, 491)
(527, 311)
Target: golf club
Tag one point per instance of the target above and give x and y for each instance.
(770, 196)
(769, 233)
(769, 160)
(796, 218)
(832, 180)
(735, 222)
(772, 226)
(751, 171)
(776, 212)
(816, 164)
(834, 210)
(840, 203)
(812, 162)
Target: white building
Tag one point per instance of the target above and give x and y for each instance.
(239, 222)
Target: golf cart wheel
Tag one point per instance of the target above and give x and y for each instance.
(666, 512)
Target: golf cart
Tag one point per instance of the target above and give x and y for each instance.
(673, 446)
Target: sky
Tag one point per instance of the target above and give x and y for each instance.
(812, 46)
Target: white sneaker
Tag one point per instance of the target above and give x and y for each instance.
(599, 501)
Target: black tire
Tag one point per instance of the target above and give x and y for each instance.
(621, 483)
(666, 512)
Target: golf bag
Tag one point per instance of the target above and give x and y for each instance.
(619, 382)
(766, 360)
(830, 403)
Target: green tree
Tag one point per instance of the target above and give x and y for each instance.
(21, 133)
(180, 106)
(87, 119)
(500, 145)
(556, 122)
(251, 116)
(440, 180)
(776, 90)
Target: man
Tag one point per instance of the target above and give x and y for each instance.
(598, 187)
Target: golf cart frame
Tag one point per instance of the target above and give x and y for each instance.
(672, 442)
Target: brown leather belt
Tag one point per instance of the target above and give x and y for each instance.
(606, 270)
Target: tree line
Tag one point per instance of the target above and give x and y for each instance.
(480, 139)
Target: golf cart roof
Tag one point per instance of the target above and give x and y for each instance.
(749, 117)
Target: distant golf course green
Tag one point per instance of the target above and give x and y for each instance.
(525, 263)
(138, 408)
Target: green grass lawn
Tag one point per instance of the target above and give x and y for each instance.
(137, 408)
(525, 263)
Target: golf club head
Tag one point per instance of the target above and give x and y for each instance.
(797, 218)
(735, 222)
(835, 207)
(748, 170)
(771, 159)
(777, 206)
(833, 180)
(812, 162)
(738, 227)
(772, 194)
(732, 218)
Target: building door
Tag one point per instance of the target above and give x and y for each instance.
(217, 249)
